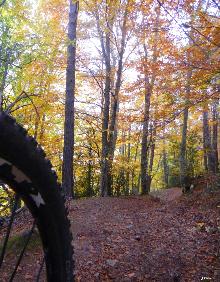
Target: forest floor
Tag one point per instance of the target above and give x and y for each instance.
(163, 237)
(169, 238)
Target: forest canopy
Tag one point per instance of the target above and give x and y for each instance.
(147, 88)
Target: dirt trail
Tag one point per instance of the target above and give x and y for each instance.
(171, 238)
(167, 195)
(144, 239)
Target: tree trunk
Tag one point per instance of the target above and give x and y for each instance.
(208, 154)
(128, 162)
(89, 187)
(113, 132)
(151, 157)
(134, 184)
(109, 123)
(139, 183)
(149, 84)
(215, 118)
(105, 121)
(68, 150)
(144, 143)
(4, 77)
(183, 160)
(165, 162)
(165, 170)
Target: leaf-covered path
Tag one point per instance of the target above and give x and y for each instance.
(166, 239)
(145, 239)
(167, 195)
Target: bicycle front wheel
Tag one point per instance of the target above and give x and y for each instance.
(24, 168)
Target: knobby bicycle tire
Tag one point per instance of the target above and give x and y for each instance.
(25, 169)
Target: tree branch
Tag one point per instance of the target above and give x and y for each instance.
(2, 3)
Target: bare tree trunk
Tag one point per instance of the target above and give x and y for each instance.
(144, 143)
(115, 105)
(105, 118)
(205, 124)
(128, 162)
(149, 84)
(68, 150)
(165, 163)
(89, 173)
(109, 123)
(165, 170)
(151, 156)
(215, 118)
(3, 81)
(208, 154)
(105, 41)
(182, 156)
(183, 160)
(139, 183)
(134, 185)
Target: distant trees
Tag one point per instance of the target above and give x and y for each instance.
(196, 49)
(145, 108)
(111, 20)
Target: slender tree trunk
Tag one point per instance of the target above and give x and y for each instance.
(165, 169)
(139, 183)
(165, 162)
(151, 157)
(182, 156)
(89, 173)
(183, 160)
(149, 84)
(3, 81)
(105, 122)
(208, 154)
(134, 185)
(144, 143)
(113, 131)
(68, 150)
(128, 162)
(206, 139)
(105, 41)
(109, 123)
(152, 146)
(215, 121)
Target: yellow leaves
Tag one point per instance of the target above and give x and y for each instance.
(200, 226)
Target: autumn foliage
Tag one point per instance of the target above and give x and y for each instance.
(147, 88)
